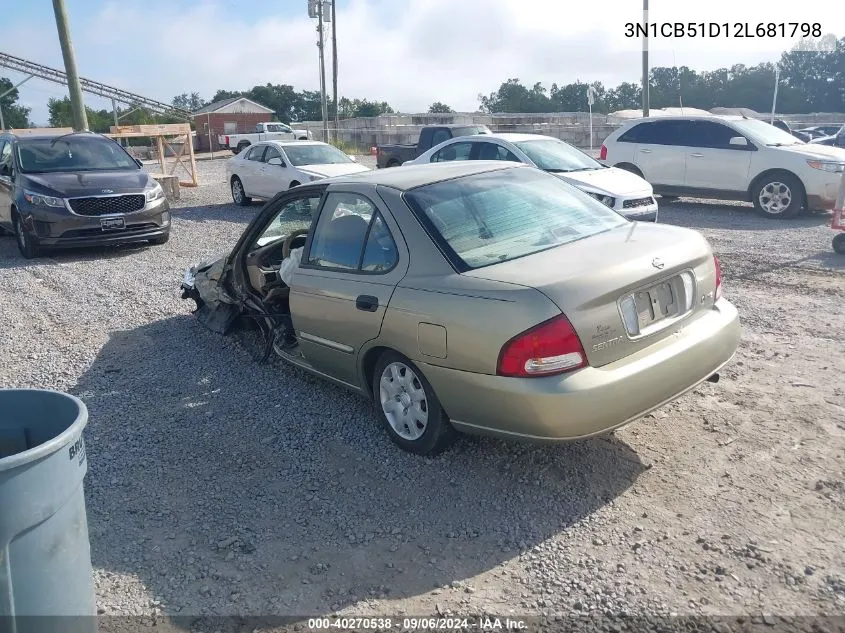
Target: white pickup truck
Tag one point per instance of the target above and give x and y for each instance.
(263, 132)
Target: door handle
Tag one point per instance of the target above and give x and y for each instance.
(366, 303)
(696, 155)
(646, 151)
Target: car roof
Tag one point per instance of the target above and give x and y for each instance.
(511, 137)
(291, 142)
(409, 177)
(688, 117)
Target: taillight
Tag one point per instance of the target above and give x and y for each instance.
(718, 278)
(227, 141)
(603, 152)
(550, 348)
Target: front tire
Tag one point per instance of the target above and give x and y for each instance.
(408, 407)
(779, 195)
(839, 243)
(239, 193)
(27, 244)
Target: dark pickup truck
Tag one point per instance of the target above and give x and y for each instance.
(394, 155)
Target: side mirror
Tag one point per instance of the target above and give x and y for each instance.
(276, 161)
(738, 141)
(352, 158)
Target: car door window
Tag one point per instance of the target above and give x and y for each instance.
(351, 235)
(710, 135)
(492, 151)
(455, 151)
(270, 153)
(256, 153)
(295, 215)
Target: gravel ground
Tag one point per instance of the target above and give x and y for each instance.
(220, 486)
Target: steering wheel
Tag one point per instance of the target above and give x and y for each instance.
(289, 241)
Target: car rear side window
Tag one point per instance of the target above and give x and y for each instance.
(502, 215)
(455, 151)
(438, 136)
(352, 236)
(659, 133)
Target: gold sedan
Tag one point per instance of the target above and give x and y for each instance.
(483, 297)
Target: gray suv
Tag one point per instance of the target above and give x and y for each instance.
(75, 190)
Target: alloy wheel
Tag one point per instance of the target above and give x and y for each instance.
(237, 191)
(403, 401)
(775, 198)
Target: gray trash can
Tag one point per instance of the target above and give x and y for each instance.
(45, 556)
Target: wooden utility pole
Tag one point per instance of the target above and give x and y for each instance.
(334, 74)
(80, 119)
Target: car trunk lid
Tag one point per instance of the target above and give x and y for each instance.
(623, 289)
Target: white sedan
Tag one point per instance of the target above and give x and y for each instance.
(624, 192)
(269, 167)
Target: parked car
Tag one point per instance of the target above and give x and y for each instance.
(267, 168)
(730, 158)
(619, 189)
(819, 131)
(783, 125)
(74, 190)
(837, 139)
(476, 297)
(394, 155)
(263, 132)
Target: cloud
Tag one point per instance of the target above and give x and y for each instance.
(407, 52)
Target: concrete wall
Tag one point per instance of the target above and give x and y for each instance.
(572, 127)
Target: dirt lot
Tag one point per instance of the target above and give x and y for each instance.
(220, 486)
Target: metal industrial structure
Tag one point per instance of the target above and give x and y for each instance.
(93, 87)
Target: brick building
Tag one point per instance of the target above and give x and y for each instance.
(229, 116)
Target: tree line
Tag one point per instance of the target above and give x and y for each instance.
(810, 81)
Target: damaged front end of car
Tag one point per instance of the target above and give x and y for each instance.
(204, 283)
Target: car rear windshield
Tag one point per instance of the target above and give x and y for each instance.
(72, 153)
(315, 155)
(556, 156)
(505, 214)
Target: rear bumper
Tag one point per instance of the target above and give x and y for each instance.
(592, 400)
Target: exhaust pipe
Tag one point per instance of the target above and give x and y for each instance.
(714, 378)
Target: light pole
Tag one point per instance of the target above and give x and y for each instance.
(80, 119)
(645, 59)
(334, 73)
(775, 97)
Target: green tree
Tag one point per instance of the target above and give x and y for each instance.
(61, 115)
(190, 102)
(439, 108)
(14, 115)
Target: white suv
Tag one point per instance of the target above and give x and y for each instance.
(728, 158)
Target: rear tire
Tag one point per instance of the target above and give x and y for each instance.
(778, 195)
(242, 146)
(295, 183)
(393, 163)
(408, 407)
(839, 243)
(27, 244)
(239, 193)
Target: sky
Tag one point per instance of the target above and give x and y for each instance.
(409, 53)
